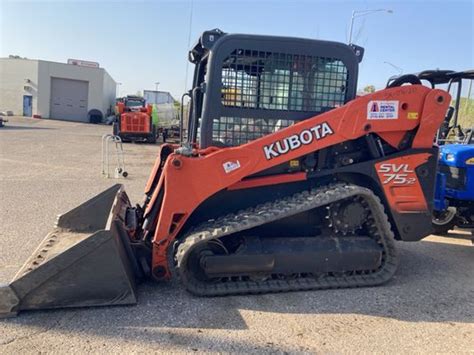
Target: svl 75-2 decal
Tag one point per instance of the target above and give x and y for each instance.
(399, 174)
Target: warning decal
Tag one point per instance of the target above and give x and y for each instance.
(382, 110)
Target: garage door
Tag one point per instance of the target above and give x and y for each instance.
(69, 99)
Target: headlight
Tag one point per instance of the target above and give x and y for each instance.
(449, 157)
(470, 161)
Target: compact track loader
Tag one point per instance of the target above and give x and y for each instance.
(285, 182)
(134, 122)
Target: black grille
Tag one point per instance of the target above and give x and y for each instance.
(280, 81)
(455, 177)
(258, 80)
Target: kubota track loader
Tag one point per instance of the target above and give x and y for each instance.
(287, 184)
(134, 121)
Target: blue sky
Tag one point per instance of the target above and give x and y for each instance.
(141, 42)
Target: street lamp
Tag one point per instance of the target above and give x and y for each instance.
(117, 89)
(356, 14)
(156, 85)
(400, 70)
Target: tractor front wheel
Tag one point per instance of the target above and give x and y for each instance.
(443, 221)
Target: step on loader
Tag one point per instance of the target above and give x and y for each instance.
(285, 182)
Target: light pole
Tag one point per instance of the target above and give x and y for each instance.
(356, 14)
(156, 85)
(117, 89)
(400, 70)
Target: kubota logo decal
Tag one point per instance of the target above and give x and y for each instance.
(295, 141)
(397, 174)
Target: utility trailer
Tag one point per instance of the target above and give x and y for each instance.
(165, 114)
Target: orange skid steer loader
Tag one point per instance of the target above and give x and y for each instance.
(290, 185)
(134, 121)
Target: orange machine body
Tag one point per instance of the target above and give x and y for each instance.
(135, 120)
(181, 183)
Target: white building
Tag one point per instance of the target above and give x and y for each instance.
(56, 90)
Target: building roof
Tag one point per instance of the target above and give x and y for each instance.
(49, 62)
(17, 58)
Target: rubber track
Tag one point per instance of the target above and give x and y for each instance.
(271, 211)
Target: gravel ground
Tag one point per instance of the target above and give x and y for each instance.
(48, 167)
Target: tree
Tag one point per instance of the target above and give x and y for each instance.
(369, 89)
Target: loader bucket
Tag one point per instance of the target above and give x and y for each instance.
(86, 260)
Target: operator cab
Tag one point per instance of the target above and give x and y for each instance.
(248, 86)
(133, 103)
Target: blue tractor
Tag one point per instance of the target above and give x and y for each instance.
(454, 192)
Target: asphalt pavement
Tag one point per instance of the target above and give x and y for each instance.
(48, 167)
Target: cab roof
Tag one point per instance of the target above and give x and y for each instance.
(438, 76)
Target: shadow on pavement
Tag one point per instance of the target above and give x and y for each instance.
(460, 234)
(8, 127)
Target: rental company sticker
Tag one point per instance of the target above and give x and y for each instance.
(382, 110)
(230, 166)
